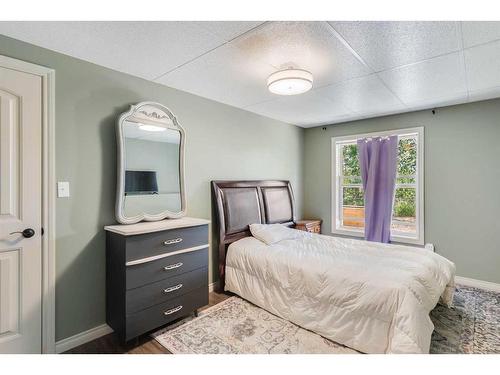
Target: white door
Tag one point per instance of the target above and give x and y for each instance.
(20, 210)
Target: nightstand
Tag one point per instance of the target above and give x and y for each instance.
(312, 225)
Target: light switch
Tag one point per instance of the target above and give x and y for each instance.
(63, 189)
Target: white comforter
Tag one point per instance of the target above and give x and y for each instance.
(372, 297)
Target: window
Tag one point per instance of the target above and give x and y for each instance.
(347, 188)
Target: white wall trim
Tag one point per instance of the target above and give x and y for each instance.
(213, 286)
(48, 196)
(96, 332)
(487, 285)
(82, 338)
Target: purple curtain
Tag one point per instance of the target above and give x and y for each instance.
(378, 161)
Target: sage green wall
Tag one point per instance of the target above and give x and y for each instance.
(462, 180)
(222, 143)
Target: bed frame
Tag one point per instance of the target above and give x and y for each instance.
(241, 203)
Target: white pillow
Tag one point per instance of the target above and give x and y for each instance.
(272, 233)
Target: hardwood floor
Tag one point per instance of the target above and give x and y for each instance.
(110, 344)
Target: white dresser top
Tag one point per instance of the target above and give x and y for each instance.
(155, 226)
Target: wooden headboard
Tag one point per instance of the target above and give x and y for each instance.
(241, 203)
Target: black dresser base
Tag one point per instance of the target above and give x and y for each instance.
(150, 283)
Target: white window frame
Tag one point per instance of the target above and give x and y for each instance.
(420, 203)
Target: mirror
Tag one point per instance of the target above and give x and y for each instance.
(150, 165)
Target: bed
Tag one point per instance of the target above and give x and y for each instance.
(372, 297)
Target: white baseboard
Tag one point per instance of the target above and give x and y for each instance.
(477, 283)
(82, 338)
(96, 332)
(213, 286)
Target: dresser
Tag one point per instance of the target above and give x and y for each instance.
(312, 225)
(156, 272)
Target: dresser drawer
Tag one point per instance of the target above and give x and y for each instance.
(152, 294)
(151, 244)
(145, 273)
(164, 313)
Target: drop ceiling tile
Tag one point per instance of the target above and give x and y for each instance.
(226, 75)
(479, 32)
(230, 61)
(306, 45)
(483, 68)
(364, 95)
(478, 95)
(236, 73)
(436, 79)
(438, 102)
(228, 29)
(385, 45)
(303, 110)
(330, 121)
(144, 49)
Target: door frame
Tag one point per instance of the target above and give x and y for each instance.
(48, 76)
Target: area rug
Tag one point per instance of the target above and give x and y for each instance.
(236, 326)
(471, 326)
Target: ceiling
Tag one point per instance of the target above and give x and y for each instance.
(132, 130)
(361, 69)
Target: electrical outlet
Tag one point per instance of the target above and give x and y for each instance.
(430, 247)
(63, 189)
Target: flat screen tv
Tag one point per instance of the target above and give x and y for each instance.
(140, 182)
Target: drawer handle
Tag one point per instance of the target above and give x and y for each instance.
(174, 310)
(173, 266)
(171, 242)
(172, 288)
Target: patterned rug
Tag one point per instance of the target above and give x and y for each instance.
(471, 326)
(235, 326)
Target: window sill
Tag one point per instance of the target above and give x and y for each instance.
(394, 239)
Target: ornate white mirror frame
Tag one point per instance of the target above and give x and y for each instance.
(151, 113)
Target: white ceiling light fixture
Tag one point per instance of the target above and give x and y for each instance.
(152, 128)
(290, 82)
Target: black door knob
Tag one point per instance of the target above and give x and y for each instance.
(27, 233)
